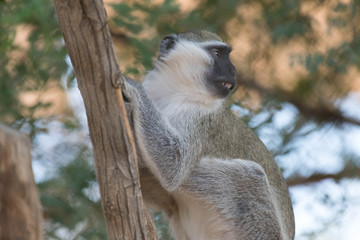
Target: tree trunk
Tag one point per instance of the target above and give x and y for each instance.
(84, 27)
(20, 211)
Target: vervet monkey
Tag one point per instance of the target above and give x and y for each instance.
(200, 165)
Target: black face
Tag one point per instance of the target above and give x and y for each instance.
(221, 78)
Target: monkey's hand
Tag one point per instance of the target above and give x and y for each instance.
(129, 89)
(132, 92)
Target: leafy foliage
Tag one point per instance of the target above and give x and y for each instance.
(28, 63)
(68, 200)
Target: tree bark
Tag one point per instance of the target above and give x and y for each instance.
(20, 211)
(84, 27)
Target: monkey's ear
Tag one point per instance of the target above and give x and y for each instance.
(167, 44)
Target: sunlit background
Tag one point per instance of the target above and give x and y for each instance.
(298, 68)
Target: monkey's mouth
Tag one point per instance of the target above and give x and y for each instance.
(228, 85)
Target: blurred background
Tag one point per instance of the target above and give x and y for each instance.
(298, 68)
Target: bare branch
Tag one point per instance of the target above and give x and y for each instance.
(317, 177)
(88, 41)
(21, 216)
(324, 113)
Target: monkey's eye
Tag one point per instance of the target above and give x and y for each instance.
(215, 52)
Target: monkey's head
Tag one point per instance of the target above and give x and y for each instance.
(196, 64)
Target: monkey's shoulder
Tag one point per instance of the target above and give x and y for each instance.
(228, 134)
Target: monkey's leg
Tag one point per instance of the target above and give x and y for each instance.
(240, 194)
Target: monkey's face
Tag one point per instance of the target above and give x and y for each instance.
(221, 76)
(197, 65)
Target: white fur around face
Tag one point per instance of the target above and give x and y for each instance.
(178, 82)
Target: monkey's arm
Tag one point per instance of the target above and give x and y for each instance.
(163, 148)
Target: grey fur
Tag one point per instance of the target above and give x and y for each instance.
(199, 158)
